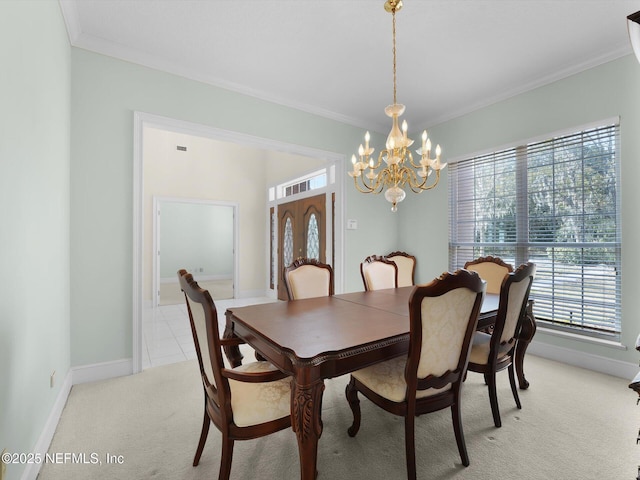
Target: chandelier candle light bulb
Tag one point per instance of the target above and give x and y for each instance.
(399, 170)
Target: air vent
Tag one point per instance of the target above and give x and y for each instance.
(181, 148)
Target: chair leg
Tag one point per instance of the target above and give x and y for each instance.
(203, 435)
(226, 457)
(410, 444)
(493, 399)
(514, 389)
(456, 415)
(352, 397)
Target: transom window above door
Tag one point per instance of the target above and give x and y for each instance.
(306, 183)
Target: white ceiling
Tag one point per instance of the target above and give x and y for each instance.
(334, 58)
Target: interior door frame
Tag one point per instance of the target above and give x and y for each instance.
(333, 160)
(157, 200)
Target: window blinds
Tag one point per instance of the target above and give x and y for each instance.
(555, 203)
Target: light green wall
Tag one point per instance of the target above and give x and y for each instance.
(105, 94)
(34, 218)
(609, 90)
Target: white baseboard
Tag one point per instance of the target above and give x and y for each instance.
(102, 371)
(42, 445)
(589, 361)
(76, 375)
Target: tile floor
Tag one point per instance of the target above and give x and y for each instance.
(167, 335)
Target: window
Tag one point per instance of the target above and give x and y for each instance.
(556, 203)
(312, 181)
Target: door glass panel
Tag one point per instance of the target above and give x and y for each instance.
(288, 243)
(313, 239)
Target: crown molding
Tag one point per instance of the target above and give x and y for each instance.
(97, 45)
(533, 84)
(71, 19)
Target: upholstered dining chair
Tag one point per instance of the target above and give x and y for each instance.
(378, 273)
(406, 267)
(246, 402)
(491, 353)
(491, 269)
(308, 278)
(443, 317)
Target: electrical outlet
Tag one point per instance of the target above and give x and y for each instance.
(52, 380)
(3, 466)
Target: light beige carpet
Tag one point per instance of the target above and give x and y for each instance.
(574, 424)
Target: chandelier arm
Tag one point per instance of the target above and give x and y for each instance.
(379, 162)
(409, 177)
(423, 186)
(386, 178)
(417, 186)
(410, 157)
(378, 186)
(366, 189)
(435, 182)
(373, 185)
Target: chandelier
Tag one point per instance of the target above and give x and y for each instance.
(398, 169)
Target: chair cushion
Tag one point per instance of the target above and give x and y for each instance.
(387, 380)
(309, 281)
(480, 349)
(492, 273)
(379, 275)
(405, 270)
(445, 320)
(517, 297)
(254, 403)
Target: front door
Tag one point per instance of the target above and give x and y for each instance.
(301, 233)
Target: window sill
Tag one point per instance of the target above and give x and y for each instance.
(582, 338)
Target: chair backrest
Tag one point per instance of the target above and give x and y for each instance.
(308, 278)
(406, 267)
(203, 317)
(514, 296)
(492, 270)
(378, 273)
(443, 319)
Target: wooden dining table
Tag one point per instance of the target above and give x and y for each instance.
(320, 338)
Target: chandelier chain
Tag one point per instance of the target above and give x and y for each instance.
(393, 13)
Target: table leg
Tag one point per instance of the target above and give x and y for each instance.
(527, 331)
(306, 421)
(231, 351)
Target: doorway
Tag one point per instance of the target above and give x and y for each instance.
(302, 226)
(200, 236)
(142, 229)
